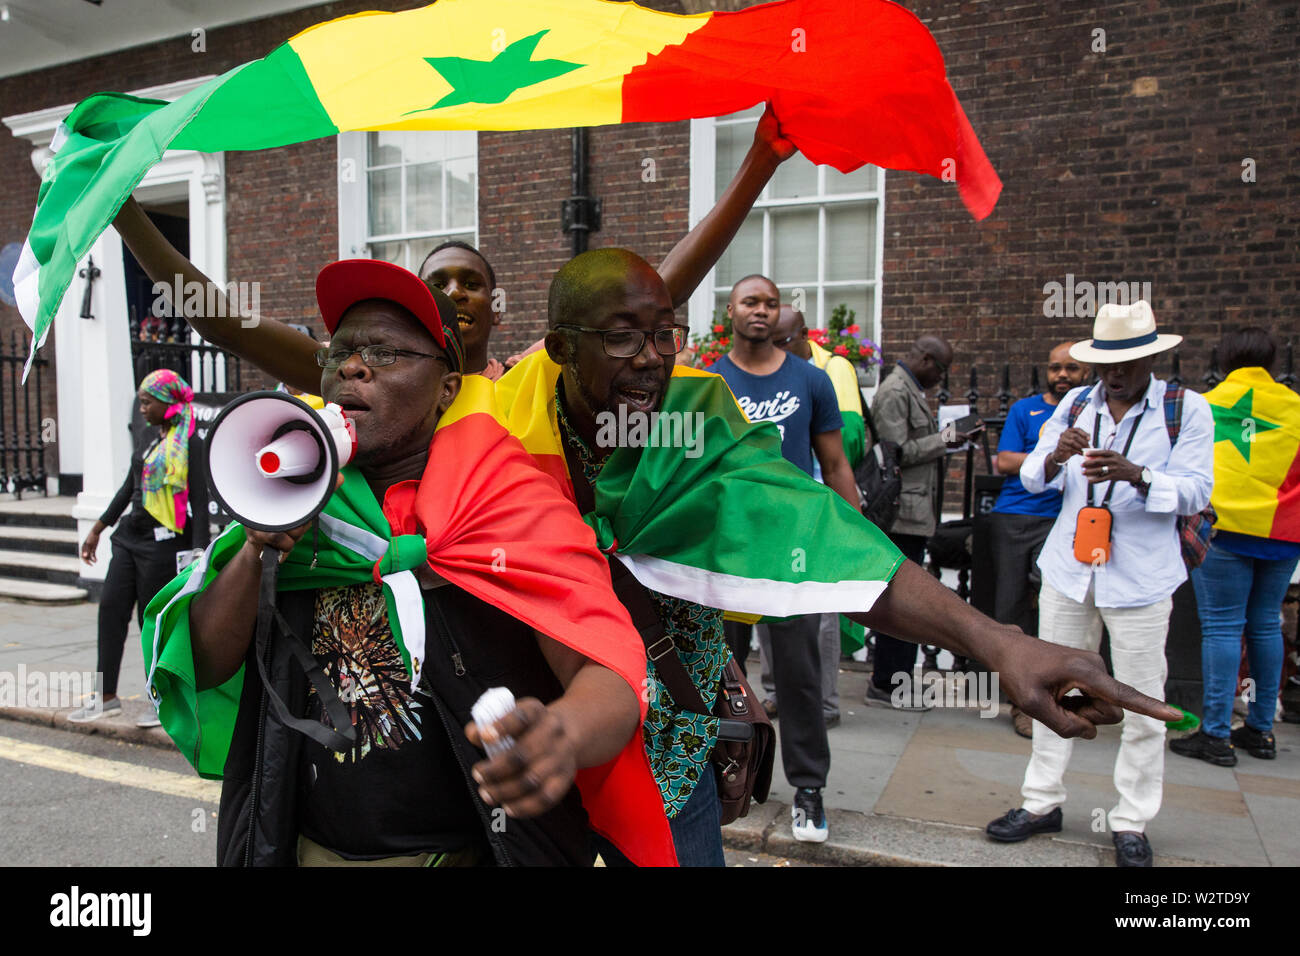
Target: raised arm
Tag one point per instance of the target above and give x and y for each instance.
(270, 345)
(691, 259)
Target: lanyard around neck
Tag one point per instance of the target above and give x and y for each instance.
(1096, 437)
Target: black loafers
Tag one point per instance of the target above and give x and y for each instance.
(1019, 825)
(1131, 849)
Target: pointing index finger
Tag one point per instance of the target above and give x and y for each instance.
(1107, 687)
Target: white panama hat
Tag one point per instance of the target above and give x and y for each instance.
(1123, 333)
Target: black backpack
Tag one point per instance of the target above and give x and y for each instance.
(879, 480)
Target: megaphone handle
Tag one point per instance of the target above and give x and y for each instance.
(267, 613)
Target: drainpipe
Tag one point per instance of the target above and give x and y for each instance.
(580, 213)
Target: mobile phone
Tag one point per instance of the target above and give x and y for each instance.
(966, 425)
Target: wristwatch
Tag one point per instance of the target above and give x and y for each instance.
(1143, 484)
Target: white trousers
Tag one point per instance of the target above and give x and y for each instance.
(1137, 653)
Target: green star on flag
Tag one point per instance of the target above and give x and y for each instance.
(1230, 423)
(492, 81)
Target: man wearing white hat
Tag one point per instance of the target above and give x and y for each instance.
(1130, 454)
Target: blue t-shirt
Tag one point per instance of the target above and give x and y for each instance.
(1025, 423)
(798, 397)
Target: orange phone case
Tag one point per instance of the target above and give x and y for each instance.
(1092, 535)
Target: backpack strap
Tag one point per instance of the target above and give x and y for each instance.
(1173, 413)
(1077, 407)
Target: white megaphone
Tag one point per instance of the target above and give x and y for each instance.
(273, 459)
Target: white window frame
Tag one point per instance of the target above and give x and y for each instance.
(703, 190)
(354, 201)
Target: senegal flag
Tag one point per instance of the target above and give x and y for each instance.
(852, 82)
(1256, 455)
(844, 379)
(485, 520)
(700, 504)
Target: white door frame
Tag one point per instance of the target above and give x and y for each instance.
(96, 380)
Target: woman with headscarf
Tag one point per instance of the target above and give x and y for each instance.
(168, 495)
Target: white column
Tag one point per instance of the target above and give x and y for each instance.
(107, 390)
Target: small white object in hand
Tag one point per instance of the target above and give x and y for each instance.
(496, 702)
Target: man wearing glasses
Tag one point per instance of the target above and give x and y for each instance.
(401, 794)
(772, 385)
(902, 414)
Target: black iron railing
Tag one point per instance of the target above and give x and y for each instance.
(26, 426)
(996, 419)
(164, 342)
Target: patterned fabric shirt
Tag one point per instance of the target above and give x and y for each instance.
(678, 742)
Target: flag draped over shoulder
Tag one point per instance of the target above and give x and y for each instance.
(484, 519)
(708, 510)
(851, 81)
(1256, 455)
(844, 379)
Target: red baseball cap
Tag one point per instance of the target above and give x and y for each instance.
(341, 285)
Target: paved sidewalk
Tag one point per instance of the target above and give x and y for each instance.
(904, 789)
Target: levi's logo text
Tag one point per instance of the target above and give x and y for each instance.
(775, 409)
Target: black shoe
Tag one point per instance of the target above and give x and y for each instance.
(1019, 825)
(1131, 849)
(832, 720)
(1254, 742)
(769, 708)
(1215, 750)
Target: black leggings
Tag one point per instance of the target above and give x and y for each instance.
(134, 577)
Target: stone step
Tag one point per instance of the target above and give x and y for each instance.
(27, 591)
(38, 511)
(35, 565)
(49, 540)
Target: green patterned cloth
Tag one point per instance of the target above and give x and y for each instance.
(678, 742)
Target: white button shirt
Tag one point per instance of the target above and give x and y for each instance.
(1146, 563)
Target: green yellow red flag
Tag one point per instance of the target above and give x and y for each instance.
(851, 82)
(1256, 455)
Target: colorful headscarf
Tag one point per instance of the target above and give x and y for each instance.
(167, 463)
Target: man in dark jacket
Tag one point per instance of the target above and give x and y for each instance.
(902, 414)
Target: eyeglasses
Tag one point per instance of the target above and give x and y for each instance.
(941, 366)
(372, 355)
(626, 343)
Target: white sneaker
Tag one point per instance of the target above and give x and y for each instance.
(149, 720)
(96, 709)
(808, 817)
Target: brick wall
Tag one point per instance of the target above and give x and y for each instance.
(523, 179)
(1117, 166)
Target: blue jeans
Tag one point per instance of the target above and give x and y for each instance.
(1235, 593)
(697, 830)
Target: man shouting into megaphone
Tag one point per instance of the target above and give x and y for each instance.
(445, 563)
